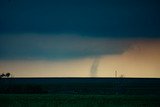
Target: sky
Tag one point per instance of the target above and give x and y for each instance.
(80, 38)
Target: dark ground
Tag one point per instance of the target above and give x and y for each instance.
(71, 100)
(100, 86)
(80, 92)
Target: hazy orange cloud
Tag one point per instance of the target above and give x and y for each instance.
(142, 59)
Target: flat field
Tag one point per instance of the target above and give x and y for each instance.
(80, 92)
(71, 100)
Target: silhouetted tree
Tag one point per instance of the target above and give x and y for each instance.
(2, 75)
(8, 74)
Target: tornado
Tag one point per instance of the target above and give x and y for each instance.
(94, 67)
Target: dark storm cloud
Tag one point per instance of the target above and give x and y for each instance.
(57, 47)
(107, 18)
(32, 29)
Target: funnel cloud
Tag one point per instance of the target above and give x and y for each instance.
(94, 67)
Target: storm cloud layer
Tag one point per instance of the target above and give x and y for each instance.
(57, 47)
(106, 18)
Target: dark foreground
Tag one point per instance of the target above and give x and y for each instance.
(93, 86)
(79, 92)
(50, 100)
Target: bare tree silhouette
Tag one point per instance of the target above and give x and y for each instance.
(122, 75)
